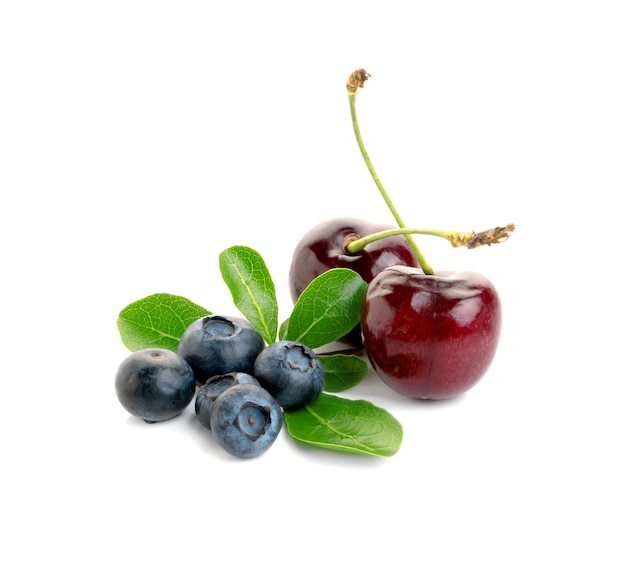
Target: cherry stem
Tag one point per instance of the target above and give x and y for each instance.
(356, 81)
(469, 240)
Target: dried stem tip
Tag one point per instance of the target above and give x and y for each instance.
(485, 238)
(356, 81)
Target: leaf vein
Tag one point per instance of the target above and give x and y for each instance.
(329, 426)
(252, 298)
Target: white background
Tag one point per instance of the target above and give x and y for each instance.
(139, 139)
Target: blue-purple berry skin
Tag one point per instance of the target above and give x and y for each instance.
(216, 345)
(155, 384)
(211, 389)
(291, 372)
(246, 420)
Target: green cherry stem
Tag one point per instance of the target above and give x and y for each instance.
(457, 239)
(356, 81)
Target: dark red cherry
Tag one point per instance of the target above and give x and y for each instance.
(430, 336)
(324, 248)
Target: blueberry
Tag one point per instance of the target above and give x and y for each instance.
(211, 389)
(291, 372)
(155, 384)
(246, 420)
(216, 345)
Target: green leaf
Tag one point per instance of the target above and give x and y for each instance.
(282, 330)
(352, 426)
(343, 371)
(252, 288)
(328, 308)
(157, 321)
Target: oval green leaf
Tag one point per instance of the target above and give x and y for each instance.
(351, 426)
(327, 309)
(158, 320)
(343, 371)
(252, 288)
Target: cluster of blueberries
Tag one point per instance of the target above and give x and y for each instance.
(243, 385)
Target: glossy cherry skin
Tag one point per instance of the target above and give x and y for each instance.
(430, 336)
(323, 248)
